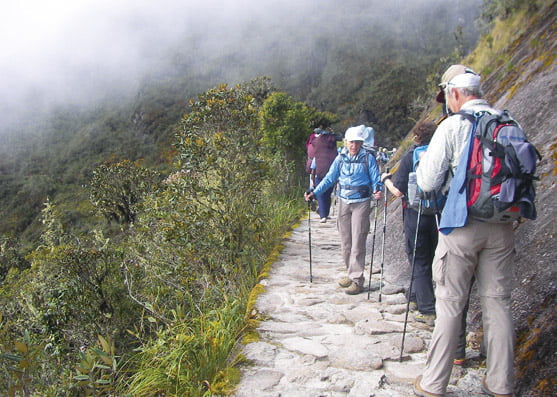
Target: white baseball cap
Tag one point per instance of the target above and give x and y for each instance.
(355, 134)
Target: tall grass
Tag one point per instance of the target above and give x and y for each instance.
(191, 357)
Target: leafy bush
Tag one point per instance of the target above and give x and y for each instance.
(169, 285)
(117, 189)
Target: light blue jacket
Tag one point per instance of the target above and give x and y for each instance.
(357, 180)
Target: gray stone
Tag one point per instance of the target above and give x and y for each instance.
(283, 328)
(412, 344)
(397, 299)
(260, 353)
(305, 346)
(391, 289)
(376, 327)
(396, 309)
(259, 381)
(405, 371)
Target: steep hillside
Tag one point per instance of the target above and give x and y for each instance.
(520, 74)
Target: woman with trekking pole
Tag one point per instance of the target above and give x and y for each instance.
(359, 180)
(420, 235)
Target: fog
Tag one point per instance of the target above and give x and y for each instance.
(61, 51)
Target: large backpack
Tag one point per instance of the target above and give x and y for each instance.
(431, 203)
(325, 151)
(501, 169)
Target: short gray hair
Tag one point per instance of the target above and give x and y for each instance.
(467, 91)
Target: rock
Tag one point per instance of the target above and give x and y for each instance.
(305, 346)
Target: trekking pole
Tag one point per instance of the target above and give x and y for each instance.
(383, 242)
(334, 198)
(309, 235)
(372, 249)
(411, 279)
(436, 210)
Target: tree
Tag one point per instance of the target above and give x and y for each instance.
(285, 125)
(117, 189)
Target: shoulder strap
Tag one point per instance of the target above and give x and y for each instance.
(469, 116)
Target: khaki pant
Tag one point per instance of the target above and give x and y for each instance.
(353, 225)
(485, 250)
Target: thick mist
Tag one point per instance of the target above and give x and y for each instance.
(79, 52)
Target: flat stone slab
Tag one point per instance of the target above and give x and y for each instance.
(305, 346)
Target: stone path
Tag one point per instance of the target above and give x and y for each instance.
(314, 340)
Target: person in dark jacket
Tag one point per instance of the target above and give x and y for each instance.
(422, 296)
(324, 152)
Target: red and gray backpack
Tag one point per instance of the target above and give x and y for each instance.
(501, 169)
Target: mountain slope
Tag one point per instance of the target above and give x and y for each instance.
(518, 64)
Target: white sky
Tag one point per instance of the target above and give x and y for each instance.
(64, 49)
(49, 41)
(60, 47)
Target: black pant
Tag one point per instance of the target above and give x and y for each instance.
(422, 283)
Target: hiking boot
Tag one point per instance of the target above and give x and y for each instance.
(413, 306)
(490, 393)
(428, 319)
(354, 289)
(345, 282)
(418, 391)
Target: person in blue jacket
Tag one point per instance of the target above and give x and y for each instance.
(359, 179)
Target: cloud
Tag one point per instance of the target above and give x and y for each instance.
(60, 51)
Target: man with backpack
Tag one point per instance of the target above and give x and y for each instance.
(359, 179)
(467, 247)
(424, 232)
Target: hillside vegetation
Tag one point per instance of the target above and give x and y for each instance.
(133, 233)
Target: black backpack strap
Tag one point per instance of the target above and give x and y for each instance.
(468, 116)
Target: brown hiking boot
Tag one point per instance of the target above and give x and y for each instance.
(345, 282)
(418, 391)
(354, 289)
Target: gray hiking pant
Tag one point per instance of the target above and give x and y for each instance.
(353, 225)
(485, 250)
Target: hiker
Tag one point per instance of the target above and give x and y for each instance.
(324, 152)
(310, 154)
(381, 157)
(421, 296)
(358, 176)
(467, 247)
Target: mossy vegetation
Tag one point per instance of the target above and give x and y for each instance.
(535, 348)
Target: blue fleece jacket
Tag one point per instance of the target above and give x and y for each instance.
(357, 180)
